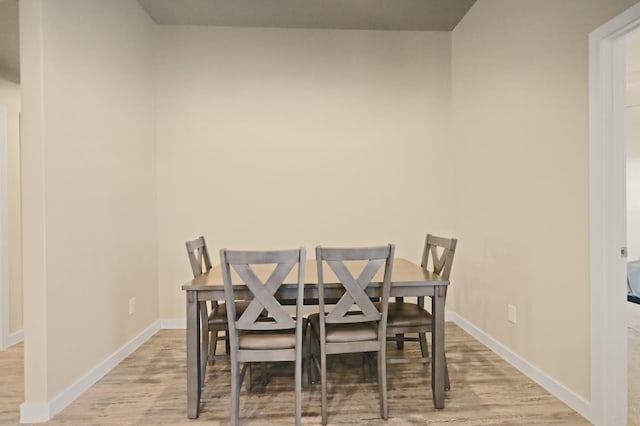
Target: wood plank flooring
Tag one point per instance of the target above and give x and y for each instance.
(149, 388)
(11, 384)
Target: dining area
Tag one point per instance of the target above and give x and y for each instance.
(142, 132)
(346, 301)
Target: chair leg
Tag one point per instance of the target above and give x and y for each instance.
(447, 384)
(227, 346)
(424, 347)
(204, 357)
(313, 357)
(306, 341)
(235, 392)
(248, 383)
(298, 375)
(399, 336)
(323, 379)
(400, 341)
(425, 355)
(213, 345)
(204, 346)
(368, 370)
(382, 383)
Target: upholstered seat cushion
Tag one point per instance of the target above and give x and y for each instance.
(353, 332)
(219, 314)
(407, 315)
(257, 340)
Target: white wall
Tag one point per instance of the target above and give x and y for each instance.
(283, 138)
(520, 101)
(10, 98)
(633, 146)
(89, 186)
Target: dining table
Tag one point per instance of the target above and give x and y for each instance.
(407, 280)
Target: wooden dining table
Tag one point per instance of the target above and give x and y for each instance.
(408, 279)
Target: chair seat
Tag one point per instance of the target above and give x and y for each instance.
(407, 315)
(260, 340)
(351, 332)
(219, 315)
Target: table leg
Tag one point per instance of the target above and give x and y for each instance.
(194, 384)
(437, 346)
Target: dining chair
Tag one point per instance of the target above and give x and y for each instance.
(254, 337)
(407, 317)
(213, 319)
(338, 328)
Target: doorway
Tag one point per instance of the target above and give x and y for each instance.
(633, 224)
(11, 306)
(607, 208)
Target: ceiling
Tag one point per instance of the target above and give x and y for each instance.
(400, 15)
(419, 15)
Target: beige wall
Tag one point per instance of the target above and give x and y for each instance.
(89, 187)
(282, 138)
(10, 97)
(520, 102)
(633, 146)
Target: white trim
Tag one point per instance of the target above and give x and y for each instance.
(36, 413)
(555, 388)
(607, 213)
(4, 230)
(15, 338)
(173, 324)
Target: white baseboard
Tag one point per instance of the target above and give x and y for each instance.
(15, 338)
(36, 413)
(173, 324)
(556, 389)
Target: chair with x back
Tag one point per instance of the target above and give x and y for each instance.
(339, 328)
(213, 320)
(254, 337)
(211, 324)
(406, 317)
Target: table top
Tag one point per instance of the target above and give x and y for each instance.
(404, 272)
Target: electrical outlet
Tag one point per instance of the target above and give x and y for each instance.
(132, 305)
(512, 314)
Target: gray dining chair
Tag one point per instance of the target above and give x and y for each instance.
(254, 337)
(338, 328)
(213, 318)
(406, 317)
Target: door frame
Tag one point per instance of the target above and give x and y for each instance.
(4, 230)
(607, 218)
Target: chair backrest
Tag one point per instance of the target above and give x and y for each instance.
(373, 259)
(246, 265)
(198, 256)
(441, 251)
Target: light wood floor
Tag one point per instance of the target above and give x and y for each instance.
(11, 384)
(149, 388)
